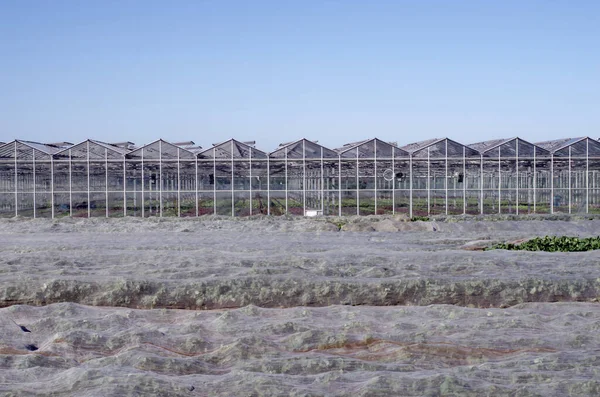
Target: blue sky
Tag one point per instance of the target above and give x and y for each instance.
(276, 71)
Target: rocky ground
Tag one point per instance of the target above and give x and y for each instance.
(294, 306)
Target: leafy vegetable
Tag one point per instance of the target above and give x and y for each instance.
(554, 244)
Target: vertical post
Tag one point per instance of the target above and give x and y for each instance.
(52, 184)
(428, 182)
(518, 173)
(70, 183)
(357, 186)
(268, 184)
(393, 180)
(534, 179)
(179, 182)
(481, 183)
(322, 187)
(339, 184)
(196, 184)
(570, 147)
(410, 187)
(106, 179)
(159, 180)
(124, 186)
(214, 181)
(34, 184)
(552, 183)
(446, 176)
(464, 180)
(587, 177)
(286, 179)
(375, 170)
(304, 177)
(143, 185)
(499, 182)
(250, 176)
(16, 183)
(232, 180)
(88, 180)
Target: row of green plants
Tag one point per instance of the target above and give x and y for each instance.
(554, 244)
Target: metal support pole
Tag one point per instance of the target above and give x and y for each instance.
(464, 180)
(88, 180)
(339, 184)
(587, 175)
(268, 185)
(124, 186)
(52, 183)
(393, 181)
(428, 182)
(375, 170)
(232, 180)
(286, 180)
(410, 187)
(304, 177)
(159, 180)
(552, 184)
(499, 182)
(518, 174)
(16, 183)
(196, 184)
(534, 180)
(357, 186)
(34, 184)
(481, 184)
(106, 181)
(570, 204)
(446, 176)
(250, 179)
(143, 185)
(178, 182)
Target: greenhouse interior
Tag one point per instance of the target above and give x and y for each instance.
(233, 178)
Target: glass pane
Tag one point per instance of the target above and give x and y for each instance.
(473, 197)
(402, 201)
(385, 203)
(206, 176)
(169, 177)
(277, 170)
(7, 177)
(115, 178)
(206, 204)
(331, 203)
(259, 202)
(437, 202)
(134, 203)
(79, 205)
(97, 176)
(43, 205)
(259, 175)
(366, 204)
(97, 205)
(349, 202)
(277, 204)
(295, 202)
(187, 202)
(242, 204)
(115, 205)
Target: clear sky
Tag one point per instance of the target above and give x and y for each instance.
(276, 71)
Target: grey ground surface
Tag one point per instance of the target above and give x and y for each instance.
(281, 306)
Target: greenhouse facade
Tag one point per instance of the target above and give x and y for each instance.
(371, 177)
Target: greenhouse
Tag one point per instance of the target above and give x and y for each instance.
(233, 178)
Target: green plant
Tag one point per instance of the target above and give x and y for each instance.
(419, 218)
(554, 244)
